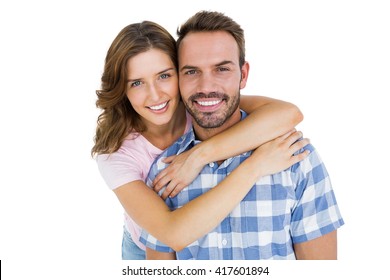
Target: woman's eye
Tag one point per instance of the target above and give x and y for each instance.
(165, 76)
(135, 84)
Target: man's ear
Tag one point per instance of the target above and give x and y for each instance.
(244, 74)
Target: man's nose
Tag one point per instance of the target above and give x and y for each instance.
(206, 83)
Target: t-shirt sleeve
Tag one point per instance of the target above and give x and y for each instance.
(118, 169)
(316, 212)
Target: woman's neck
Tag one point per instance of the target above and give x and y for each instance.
(162, 136)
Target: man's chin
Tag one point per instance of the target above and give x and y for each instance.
(210, 122)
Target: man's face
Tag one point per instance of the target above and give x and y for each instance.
(210, 77)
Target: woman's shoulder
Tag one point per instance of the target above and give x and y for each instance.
(130, 145)
(188, 122)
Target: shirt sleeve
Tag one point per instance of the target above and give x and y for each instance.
(151, 242)
(147, 239)
(316, 212)
(158, 165)
(118, 169)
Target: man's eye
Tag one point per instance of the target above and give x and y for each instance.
(190, 72)
(223, 69)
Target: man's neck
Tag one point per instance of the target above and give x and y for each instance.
(206, 133)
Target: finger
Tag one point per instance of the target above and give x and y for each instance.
(169, 159)
(177, 189)
(160, 175)
(162, 182)
(294, 137)
(300, 144)
(168, 190)
(299, 157)
(287, 134)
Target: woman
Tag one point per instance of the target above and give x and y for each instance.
(142, 115)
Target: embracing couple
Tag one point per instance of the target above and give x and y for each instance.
(230, 177)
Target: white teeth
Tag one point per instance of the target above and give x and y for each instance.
(209, 103)
(158, 107)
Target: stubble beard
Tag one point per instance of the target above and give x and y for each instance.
(209, 120)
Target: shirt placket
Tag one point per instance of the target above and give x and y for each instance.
(225, 242)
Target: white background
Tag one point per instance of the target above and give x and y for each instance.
(57, 217)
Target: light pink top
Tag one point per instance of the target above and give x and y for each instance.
(130, 163)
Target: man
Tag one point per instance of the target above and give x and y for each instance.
(288, 215)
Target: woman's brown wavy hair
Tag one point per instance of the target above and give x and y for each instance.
(118, 118)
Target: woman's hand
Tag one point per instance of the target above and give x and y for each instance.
(278, 154)
(182, 170)
(271, 157)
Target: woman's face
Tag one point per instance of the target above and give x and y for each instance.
(152, 86)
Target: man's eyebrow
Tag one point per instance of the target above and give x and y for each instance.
(187, 67)
(225, 62)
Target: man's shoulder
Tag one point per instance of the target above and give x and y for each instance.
(180, 145)
(310, 162)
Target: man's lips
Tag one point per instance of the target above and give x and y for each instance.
(208, 105)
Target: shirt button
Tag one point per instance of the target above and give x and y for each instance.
(211, 164)
(224, 242)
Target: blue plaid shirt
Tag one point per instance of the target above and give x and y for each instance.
(292, 206)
